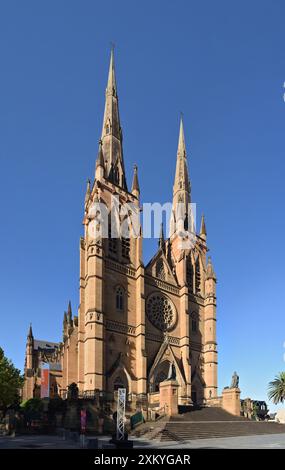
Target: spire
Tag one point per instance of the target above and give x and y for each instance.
(161, 237)
(100, 158)
(181, 183)
(88, 192)
(181, 142)
(203, 231)
(30, 333)
(181, 187)
(135, 185)
(210, 273)
(111, 85)
(69, 312)
(112, 149)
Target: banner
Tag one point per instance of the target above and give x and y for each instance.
(44, 380)
(83, 417)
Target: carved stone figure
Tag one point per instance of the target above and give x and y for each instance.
(235, 380)
(171, 372)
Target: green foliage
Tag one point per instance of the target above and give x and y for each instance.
(11, 382)
(276, 389)
(32, 408)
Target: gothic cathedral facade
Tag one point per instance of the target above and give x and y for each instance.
(135, 322)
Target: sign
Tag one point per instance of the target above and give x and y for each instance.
(83, 421)
(44, 380)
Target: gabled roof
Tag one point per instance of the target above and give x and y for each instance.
(160, 255)
(45, 345)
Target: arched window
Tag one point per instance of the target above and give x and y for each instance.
(126, 248)
(159, 271)
(197, 277)
(189, 274)
(112, 242)
(194, 395)
(119, 299)
(119, 383)
(116, 175)
(194, 322)
(160, 375)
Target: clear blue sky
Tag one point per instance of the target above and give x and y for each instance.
(223, 64)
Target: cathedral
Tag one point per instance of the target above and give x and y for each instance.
(137, 324)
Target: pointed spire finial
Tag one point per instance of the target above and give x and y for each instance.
(181, 141)
(161, 236)
(100, 157)
(69, 312)
(210, 273)
(88, 191)
(111, 85)
(135, 185)
(203, 231)
(30, 332)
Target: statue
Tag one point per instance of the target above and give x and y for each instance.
(235, 380)
(171, 372)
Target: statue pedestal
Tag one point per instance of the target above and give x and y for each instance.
(231, 400)
(168, 396)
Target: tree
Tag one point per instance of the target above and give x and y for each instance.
(11, 382)
(276, 389)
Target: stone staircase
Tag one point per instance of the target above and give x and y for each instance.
(151, 430)
(207, 423)
(204, 423)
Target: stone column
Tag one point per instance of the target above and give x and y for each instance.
(231, 400)
(168, 396)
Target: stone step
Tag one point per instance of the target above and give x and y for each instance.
(180, 432)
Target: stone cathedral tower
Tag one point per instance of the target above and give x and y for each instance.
(137, 324)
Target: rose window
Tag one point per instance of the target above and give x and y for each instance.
(160, 311)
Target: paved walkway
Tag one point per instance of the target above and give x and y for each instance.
(36, 442)
(265, 441)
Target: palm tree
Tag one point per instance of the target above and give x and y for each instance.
(276, 389)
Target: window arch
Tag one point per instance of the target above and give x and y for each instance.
(194, 322)
(159, 270)
(118, 383)
(197, 276)
(126, 247)
(112, 241)
(194, 395)
(194, 325)
(189, 274)
(120, 298)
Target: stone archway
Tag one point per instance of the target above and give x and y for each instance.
(120, 379)
(160, 374)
